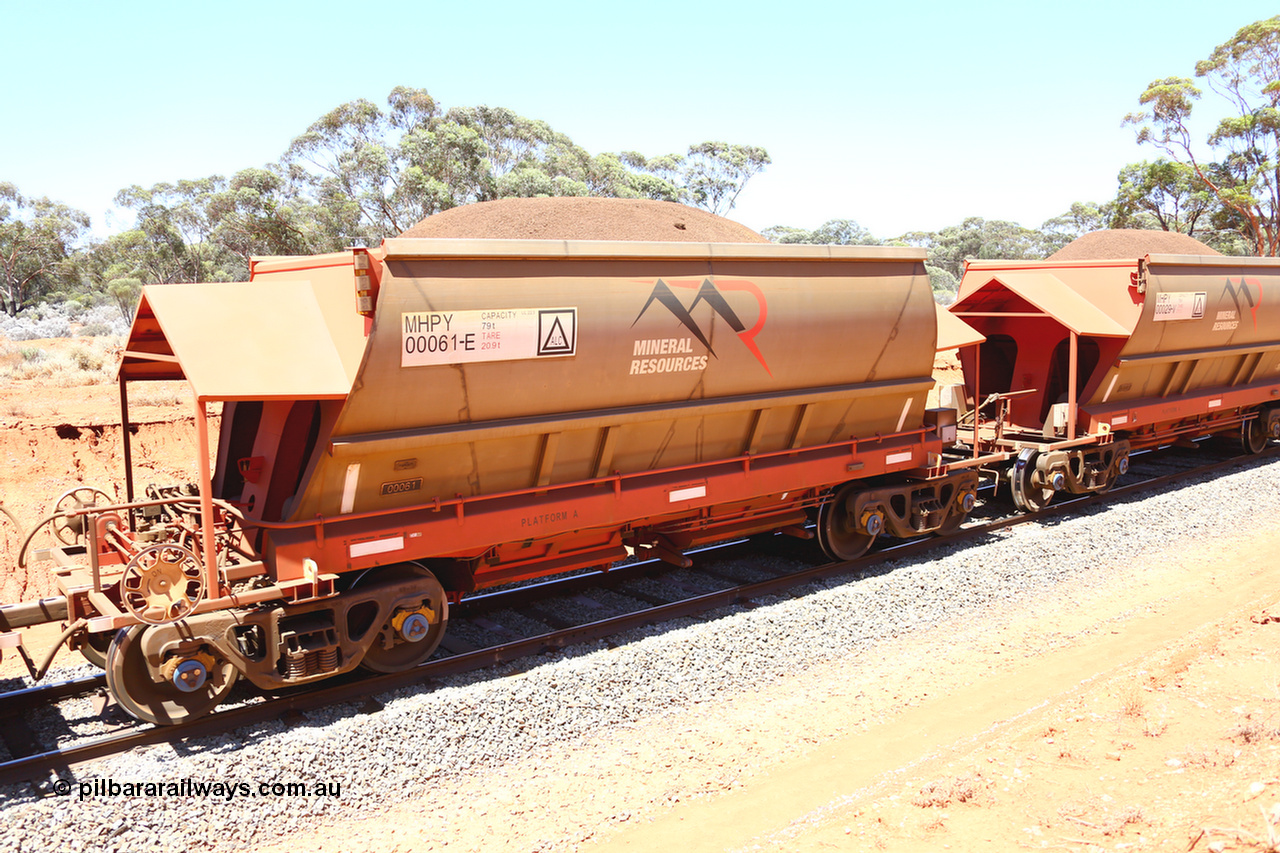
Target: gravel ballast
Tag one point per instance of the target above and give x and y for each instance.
(477, 724)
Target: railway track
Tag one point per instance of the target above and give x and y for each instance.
(33, 761)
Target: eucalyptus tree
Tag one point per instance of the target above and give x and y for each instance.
(171, 237)
(715, 173)
(1081, 218)
(1245, 73)
(977, 238)
(1163, 194)
(259, 212)
(373, 172)
(838, 232)
(37, 240)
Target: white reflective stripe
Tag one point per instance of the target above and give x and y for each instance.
(902, 419)
(1119, 419)
(687, 494)
(895, 458)
(349, 487)
(1107, 395)
(377, 546)
(1213, 404)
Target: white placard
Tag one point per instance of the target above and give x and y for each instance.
(463, 337)
(1179, 305)
(687, 494)
(377, 546)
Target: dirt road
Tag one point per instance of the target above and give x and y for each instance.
(1155, 726)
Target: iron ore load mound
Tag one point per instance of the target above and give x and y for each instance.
(1129, 243)
(577, 218)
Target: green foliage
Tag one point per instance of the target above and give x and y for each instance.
(1245, 179)
(714, 173)
(837, 232)
(846, 232)
(944, 285)
(171, 239)
(87, 359)
(1082, 218)
(358, 174)
(1164, 194)
(976, 237)
(372, 173)
(37, 239)
(259, 213)
(124, 293)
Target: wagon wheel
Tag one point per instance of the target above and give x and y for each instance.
(1253, 435)
(162, 584)
(1027, 496)
(193, 685)
(70, 529)
(412, 634)
(838, 532)
(94, 647)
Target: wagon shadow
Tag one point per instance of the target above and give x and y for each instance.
(440, 691)
(771, 548)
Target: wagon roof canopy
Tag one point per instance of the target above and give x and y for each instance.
(953, 332)
(247, 340)
(1034, 292)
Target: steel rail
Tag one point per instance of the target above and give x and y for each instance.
(31, 768)
(27, 698)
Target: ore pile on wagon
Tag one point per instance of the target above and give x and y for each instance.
(407, 424)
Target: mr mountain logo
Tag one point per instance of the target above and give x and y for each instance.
(679, 353)
(1242, 293)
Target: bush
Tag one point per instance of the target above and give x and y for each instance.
(50, 320)
(92, 362)
(87, 360)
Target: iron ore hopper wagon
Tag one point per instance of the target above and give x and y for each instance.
(1082, 362)
(404, 425)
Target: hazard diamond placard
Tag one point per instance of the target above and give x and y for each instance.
(557, 331)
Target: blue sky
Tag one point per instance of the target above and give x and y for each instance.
(901, 116)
